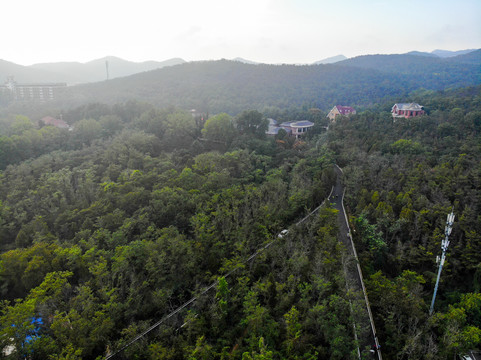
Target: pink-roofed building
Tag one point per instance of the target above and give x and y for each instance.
(49, 120)
(340, 110)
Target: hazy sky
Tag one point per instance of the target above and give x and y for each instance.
(270, 31)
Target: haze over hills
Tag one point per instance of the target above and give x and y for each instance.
(230, 86)
(420, 53)
(447, 53)
(404, 62)
(331, 60)
(441, 53)
(473, 57)
(25, 74)
(76, 73)
(245, 61)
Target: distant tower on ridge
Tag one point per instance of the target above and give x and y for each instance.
(107, 68)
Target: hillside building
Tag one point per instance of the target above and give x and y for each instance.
(31, 92)
(51, 121)
(340, 110)
(293, 128)
(297, 128)
(273, 128)
(405, 110)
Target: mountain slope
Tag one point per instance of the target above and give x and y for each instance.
(447, 53)
(421, 53)
(429, 72)
(231, 86)
(26, 74)
(95, 70)
(473, 58)
(331, 60)
(245, 61)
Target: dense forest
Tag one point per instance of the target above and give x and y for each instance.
(110, 227)
(403, 178)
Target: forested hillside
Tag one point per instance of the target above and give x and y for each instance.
(232, 86)
(432, 72)
(403, 178)
(109, 227)
(126, 220)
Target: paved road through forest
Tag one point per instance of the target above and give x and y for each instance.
(353, 272)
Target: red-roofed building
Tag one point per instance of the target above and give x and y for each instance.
(403, 110)
(340, 110)
(49, 120)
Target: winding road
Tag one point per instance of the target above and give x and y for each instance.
(353, 270)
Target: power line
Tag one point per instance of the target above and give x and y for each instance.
(363, 287)
(180, 308)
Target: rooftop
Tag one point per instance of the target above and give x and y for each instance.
(345, 109)
(409, 106)
(301, 123)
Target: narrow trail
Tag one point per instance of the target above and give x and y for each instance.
(353, 270)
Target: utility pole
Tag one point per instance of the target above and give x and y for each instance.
(444, 247)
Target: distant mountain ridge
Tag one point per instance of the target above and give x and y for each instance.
(472, 57)
(447, 53)
(25, 74)
(441, 53)
(421, 53)
(331, 60)
(245, 61)
(231, 86)
(74, 73)
(410, 63)
(77, 73)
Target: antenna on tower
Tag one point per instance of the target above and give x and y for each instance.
(444, 247)
(107, 68)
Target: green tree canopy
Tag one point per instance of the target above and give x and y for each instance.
(219, 128)
(252, 122)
